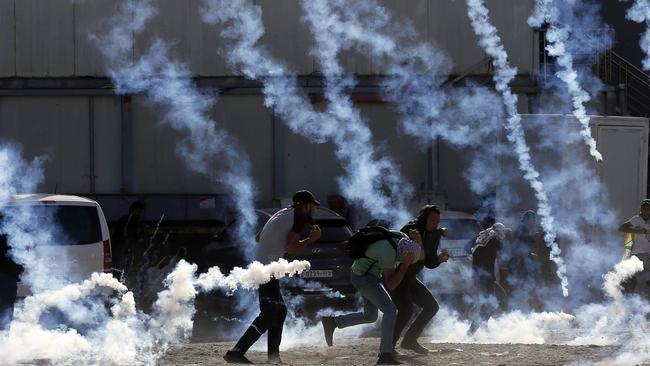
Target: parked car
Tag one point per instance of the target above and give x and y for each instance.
(83, 236)
(329, 275)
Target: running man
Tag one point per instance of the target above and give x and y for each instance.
(280, 235)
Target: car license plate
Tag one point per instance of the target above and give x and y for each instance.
(317, 274)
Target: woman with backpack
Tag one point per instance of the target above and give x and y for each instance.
(411, 291)
(378, 253)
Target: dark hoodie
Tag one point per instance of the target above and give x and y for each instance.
(431, 242)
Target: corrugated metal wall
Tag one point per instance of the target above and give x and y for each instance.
(91, 148)
(41, 38)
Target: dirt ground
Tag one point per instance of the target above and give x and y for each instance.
(363, 351)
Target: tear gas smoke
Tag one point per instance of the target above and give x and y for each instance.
(621, 272)
(557, 35)
(126, 336)
(168, 83)
(370, 180)
(504, 74)
(640, 13)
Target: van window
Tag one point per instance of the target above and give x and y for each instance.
(74, 225)
(80, 224)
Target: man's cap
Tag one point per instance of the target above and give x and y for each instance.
(645, 202)
(302, 197)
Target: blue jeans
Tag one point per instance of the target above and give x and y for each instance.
(8, 289)
(375, 297)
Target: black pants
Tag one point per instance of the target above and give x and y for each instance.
(409, 293)
(271, 319)
(8, 289)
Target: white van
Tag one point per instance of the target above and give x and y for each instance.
(87, 246)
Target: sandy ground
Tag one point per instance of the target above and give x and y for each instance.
(363, 351)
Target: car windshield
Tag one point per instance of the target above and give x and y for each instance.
(335, 234)
(460, 228)
(71, 225)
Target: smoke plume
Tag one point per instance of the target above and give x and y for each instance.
(557, 35)
(168, 83)
(504, 74)
(371, 180)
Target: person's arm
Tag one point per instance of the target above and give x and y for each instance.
(629, 228)
(394, 278)
(432, 259)
(295, 245)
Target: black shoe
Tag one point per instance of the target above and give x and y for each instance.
(329, 325)
(387, 359)
(235, 357)
(413, 345)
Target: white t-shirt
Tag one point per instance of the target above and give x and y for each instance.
(273, 238)
(641, 241)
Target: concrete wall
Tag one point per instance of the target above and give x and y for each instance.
(41, 38)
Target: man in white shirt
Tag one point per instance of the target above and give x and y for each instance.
(639, 227)
(280, 235)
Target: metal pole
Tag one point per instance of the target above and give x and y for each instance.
(127, 144)
(91, 142)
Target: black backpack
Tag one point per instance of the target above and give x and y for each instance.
(361, 240)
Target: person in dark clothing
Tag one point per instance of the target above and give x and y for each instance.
(10, 273)
(411, 291)
(524, 266)
(484, 266)
(485, 223)
(129, 243)
(280, 235)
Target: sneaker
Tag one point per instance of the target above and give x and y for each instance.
(387, 359)
(235, 357)
(414, 346)
(329, 325)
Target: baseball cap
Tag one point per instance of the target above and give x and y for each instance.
(302, 197)
(645, 202)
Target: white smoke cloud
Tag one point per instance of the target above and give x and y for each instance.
(168, 83)
(640, 13)
(504, 74)
(370, 180)
(621, 272)
(557, 35)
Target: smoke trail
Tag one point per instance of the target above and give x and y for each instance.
(621, 272)
(168, 83)
(640, 13)
(126, 336)
(371, 180)
(547, 11)
(504, 73)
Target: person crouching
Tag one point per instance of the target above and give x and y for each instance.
(379, 261)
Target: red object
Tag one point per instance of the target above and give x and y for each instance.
(108, 257)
